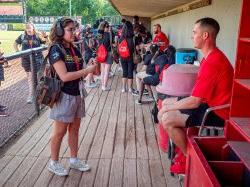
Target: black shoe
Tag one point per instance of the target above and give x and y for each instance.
(135, 92)
(2, 107)
(138, 102)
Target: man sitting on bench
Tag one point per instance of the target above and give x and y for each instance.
(213, 87)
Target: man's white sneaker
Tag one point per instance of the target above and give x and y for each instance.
(80, 165)
(56, 168)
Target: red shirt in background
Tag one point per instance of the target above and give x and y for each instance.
(161, 37)
(214, 81)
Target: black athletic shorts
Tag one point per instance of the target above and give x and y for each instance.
(152, 80)
(196, 116)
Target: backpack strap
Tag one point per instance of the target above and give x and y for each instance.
(62, 49)
(51, 71)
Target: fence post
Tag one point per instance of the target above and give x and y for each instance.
(34, 80)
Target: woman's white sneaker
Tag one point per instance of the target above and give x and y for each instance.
(79, 165)
(56, 168)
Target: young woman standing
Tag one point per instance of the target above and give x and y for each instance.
(105, 39)
(30, 39)
(127, 63)
(68, 111)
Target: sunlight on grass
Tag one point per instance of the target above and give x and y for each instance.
(7, 39)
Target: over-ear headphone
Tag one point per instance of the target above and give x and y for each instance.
(59, 28)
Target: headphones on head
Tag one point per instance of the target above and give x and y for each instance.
(59, 28)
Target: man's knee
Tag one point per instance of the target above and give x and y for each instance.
(169, 120)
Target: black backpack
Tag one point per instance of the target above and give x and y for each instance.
(49, 85)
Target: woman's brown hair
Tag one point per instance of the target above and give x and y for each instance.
(65, 21)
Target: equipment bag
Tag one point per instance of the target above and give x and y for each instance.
(123, 49)
(102, 54)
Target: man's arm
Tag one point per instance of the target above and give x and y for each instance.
(185, 103)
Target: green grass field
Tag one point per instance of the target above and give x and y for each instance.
(7, 39)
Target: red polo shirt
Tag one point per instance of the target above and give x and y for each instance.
(161, 37)
(214, 81)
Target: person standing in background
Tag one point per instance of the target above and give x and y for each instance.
(28, 40)
(105, 39)
(127, 63)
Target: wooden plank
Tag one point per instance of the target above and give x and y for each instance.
(130, 150)
(74, 178)
(21, 171)
(4, 161)
(143, 173)
(91, 95)
(89, 177)
(107, 150)
(10, 169)
(119, 146)
(58, 180)
(130, 176)
(27, 135)
(112, 130)
(38, 148)
(34, 172)
(170, 181)
(85, 145)
(116, 173)
(44, 178)
(102, 175)
(157, 175)
(35, 138)
(96, 147)
(46, 151)
(141, 144)
(153, 150)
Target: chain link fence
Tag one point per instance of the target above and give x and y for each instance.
(14, 91)
(15, 110)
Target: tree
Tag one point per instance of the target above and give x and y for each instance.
(90, 10)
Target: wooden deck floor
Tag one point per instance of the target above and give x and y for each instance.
(117, 138)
